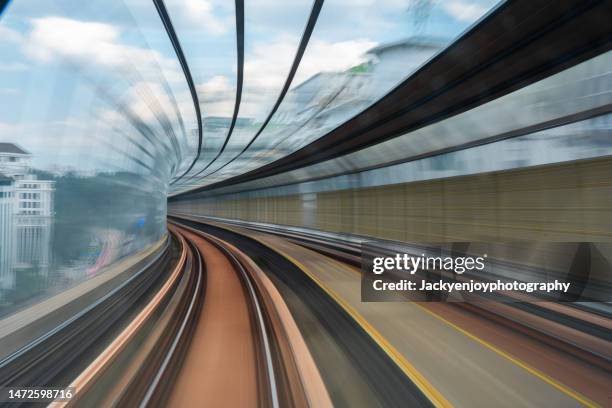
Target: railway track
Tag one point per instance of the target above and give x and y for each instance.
(219, 319)
(521, 329)
(246, 349)
(131, 367)
(57, 356)
(201, 324)
(230, 359)
(214, 332)
(355, 369)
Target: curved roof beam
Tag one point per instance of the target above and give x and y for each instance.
(539, 40)
(3, 4)
(165, 18)
(239, 81)
(312, 20)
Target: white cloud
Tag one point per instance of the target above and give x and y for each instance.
(463, 11)
(267, 67)
(98, 48)
(217, 96)
(218, 84)
(92, 44)
(53, 37)
(269, 64)
(322, 56)
(202, 13)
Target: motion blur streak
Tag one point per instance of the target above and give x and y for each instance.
(193, 194)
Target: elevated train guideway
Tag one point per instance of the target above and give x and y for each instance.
(180, 229)
(455, 347)
(245, 349)
(215, 332)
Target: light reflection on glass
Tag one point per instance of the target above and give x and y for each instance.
(91, 134)
(356, 55)
(586, 139)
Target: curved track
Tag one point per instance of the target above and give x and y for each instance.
(240, 320)
(201, 340)
(356, 370)
(208, 329)
(245, 348)
(569, 364)
(223, 344)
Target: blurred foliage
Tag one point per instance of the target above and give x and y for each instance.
(85, 205)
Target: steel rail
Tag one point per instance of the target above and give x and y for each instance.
(65, 324)
(261, 325)
(191, 311)
(148, 352)
(344, 329)
(96, 368)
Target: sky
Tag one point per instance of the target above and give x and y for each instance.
(70, 70)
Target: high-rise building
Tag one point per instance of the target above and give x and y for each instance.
(26, 216)
(7, 232)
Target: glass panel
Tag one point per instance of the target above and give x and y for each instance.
(581, 88)
(272, 32)
(356, 55)
(89, 137)
(207, 33)
(585, 139)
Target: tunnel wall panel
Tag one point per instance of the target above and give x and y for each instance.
(566, 202)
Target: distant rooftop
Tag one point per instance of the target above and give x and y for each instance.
(12, 148)
(5, 180)
(412, 42)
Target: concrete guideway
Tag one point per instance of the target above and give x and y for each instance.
(233, 360)
(222, 349)
(456, 365)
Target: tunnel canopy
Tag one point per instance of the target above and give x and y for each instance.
(212, 89)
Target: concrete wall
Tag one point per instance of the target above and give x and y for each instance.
(567, 202)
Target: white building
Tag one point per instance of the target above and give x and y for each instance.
(33, 223)
(329, 98)
(390, 63)
(7, 232)
(26, 216)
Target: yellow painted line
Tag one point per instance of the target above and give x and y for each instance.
(436, 398)
(404, 364)
(568, 391)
